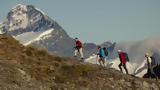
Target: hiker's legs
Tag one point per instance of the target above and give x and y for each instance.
(81, 53)
(152, 73)
(75, 52)
(101, 61)
(120, 66)
(105, 62)
(149, 72)
(124, 66)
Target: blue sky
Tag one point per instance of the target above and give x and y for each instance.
(99, 20)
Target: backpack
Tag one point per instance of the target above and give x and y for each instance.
(105, 51)
(126, 57)
(153, 62)
(78, 44)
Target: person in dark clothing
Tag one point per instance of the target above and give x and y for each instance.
(122, 58)
(150, 66)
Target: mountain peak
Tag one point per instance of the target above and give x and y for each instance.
(25, 18)
(25, 7)
(20, 6)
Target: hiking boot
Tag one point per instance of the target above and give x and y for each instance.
(82, 60)
(157, 78)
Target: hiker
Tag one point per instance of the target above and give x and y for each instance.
(150, 65)
(123, 59)
(106, 54)
(78, 48)
(101, 55)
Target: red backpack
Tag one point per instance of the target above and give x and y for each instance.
(78, 44)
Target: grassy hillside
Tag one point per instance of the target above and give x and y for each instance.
(27, 68)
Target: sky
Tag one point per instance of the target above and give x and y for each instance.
(99, 20)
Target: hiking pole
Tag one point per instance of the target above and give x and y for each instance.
(97, 59)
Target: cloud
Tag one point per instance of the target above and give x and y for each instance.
(137, 50)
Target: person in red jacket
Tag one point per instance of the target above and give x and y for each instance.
(122, 57)
(78, 48)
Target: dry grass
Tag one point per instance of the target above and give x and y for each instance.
(29, 68)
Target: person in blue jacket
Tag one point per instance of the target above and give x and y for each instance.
(101, 55)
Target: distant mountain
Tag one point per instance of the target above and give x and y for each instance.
(136, 69)
(136, 51)
(31, 26)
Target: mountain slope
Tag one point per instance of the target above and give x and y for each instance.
(31, 69)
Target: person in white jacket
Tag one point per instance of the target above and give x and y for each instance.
(150, 66)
